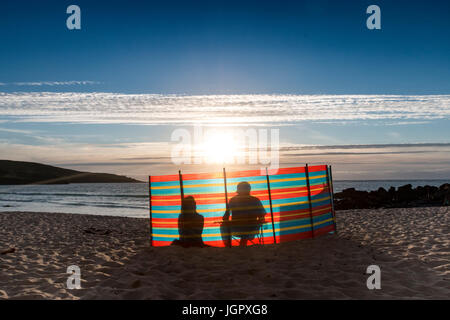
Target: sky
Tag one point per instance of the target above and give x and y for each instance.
(373, 103)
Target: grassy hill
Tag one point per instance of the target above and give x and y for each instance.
(19, 172)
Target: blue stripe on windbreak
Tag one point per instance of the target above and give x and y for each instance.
(203, 181)
(317, 173)
(156, 238)
(174, 207)
(165, 183)
(254, 186)
(173, 231)
(203, 190)
(205, 239)
(314, 181)
(166, 192)
(322, 217)
(289, 200)
(287, 176)
(287, 184)
(321, 203)
(199, 207)
(249, 179)
(292, 223)
(320, 196)
(292, 231)
(291, 207)
(214, 214)
(211, 206)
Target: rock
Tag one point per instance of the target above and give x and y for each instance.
(404, 196)
(10, 250)
(93, 230)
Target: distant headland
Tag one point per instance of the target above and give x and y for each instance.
(20, 172)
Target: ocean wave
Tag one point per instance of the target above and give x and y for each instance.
(99, 205)
(75, 194)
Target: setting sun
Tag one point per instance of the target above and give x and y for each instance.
(218, 147)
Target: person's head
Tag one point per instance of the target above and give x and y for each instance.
(188, 205)
(243, 188)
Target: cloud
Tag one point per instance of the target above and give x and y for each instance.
(258, 110)
(408, 161)
(296, 147)
(52, 83)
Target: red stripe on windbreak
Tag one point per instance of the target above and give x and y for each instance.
(256, 193)
(211, 201)
(268, 239)
(203, 176)
(172, 177)
(326, 209)
(317, 168)
(326, 229)
(285, 194)
(294, 236)
(161, 243)
(243, 174)
(290, 170)
(174, 203)
(208, 198)
(158, 197)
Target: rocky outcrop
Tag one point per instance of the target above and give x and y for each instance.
(401, 197)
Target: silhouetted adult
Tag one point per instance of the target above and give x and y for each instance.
(247, 215)
(190, 224)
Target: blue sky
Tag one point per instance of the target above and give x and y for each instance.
(195, 48)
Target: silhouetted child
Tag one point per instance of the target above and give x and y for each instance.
(190, 225)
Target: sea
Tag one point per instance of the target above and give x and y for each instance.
(127, 199)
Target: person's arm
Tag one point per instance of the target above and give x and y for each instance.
(261, 213)
(226, 216)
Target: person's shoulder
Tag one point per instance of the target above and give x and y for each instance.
(255, 198)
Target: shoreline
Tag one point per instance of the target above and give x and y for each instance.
(411, 246)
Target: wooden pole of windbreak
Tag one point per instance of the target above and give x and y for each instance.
(330, 185)
(181, 186)
(271, 209)
(225, 185)
(309, 199)
(226, 203)
(150, 208)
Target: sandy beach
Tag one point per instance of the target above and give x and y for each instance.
(411, 246)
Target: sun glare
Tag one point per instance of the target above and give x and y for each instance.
(218, 147)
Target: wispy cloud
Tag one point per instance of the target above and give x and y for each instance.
(221, 109)
(51, 83)
(408, 161)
